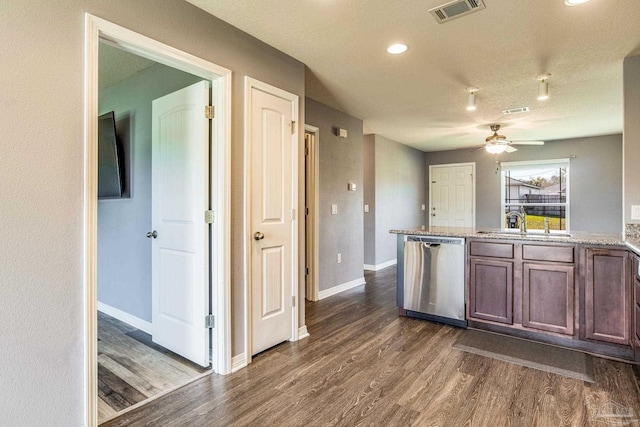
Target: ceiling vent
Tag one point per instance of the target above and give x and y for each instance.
(516, 110)
(455, 9)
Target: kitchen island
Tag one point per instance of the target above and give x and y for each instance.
(579, 291)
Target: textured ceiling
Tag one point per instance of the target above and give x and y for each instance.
(419, 98)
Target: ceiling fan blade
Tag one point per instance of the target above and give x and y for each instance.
(510, 149)
(527, 142)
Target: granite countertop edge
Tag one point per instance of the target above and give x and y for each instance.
(584, 238)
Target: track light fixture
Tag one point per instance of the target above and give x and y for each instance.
(471, 102)
(543, 86)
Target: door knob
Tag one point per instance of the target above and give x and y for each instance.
(258, 235)
(151, 234)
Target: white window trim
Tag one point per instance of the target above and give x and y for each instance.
(534, 163)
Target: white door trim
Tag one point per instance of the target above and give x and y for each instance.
(97, 29)
(473, 189)
(312, 235)
(249, 84)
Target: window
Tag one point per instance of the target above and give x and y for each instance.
(541, 189)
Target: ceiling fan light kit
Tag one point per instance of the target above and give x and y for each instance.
(495, 148)
(496, 144)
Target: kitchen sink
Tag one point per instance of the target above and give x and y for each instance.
(520, 234)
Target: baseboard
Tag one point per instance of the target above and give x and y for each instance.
(238, 362)
(125, 317)
(340, 288)
(380, 266)
(302, 332)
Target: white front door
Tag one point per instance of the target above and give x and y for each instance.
(451, 195)
(273, 156)
(180, 197)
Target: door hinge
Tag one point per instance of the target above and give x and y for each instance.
(293, 127)
(210, 321)
(293, 301)
(306, 151)
(209, 217)
(293, 214)
(209, 111)
(306, 271)
(306, 211)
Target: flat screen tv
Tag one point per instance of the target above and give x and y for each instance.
(109, 162)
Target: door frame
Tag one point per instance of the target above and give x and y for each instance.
(313, 231)
(250, 84)
(97, 30)
(473, 187)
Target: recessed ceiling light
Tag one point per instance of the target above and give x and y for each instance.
(574, 2)
(397, 48)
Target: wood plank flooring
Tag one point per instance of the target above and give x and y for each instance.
(132, 368)
(364, 365)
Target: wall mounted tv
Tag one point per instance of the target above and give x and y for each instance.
(109, 158)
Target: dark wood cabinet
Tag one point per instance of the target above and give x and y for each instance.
(548, 297)
(491, 290)
(607, 296)
(580, 296)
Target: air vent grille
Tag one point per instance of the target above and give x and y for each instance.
(455, 9)
(516, 110)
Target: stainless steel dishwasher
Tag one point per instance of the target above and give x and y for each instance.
(434, 279)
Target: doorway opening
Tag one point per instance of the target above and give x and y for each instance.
(311, 192)
(216, 213)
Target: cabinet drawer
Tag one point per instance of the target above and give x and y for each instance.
(548, 253)
(490, 249)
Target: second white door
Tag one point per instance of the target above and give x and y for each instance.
(451, 195)
(273, 139)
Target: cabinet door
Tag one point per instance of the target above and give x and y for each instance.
(547, 297)
(491, 290)
(607, 296)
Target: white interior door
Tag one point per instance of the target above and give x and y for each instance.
(272, 219)
(180, 252)
(451, 195)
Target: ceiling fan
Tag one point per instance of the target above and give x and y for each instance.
(496, 144)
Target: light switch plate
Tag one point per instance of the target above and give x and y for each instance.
(366, 208)
(334, 209)
(424, 206)
(635, 211)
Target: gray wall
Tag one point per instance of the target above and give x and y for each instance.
(400, 176)
(631, 67)
(596, 179)
(369, 190)
(124, 253)
(340, 162)
(41, 182)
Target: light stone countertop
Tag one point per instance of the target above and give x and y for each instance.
(575, 237)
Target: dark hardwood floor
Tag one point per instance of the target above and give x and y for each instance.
(132, 368)
(364, 365)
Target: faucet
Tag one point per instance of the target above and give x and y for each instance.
(522, 216)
